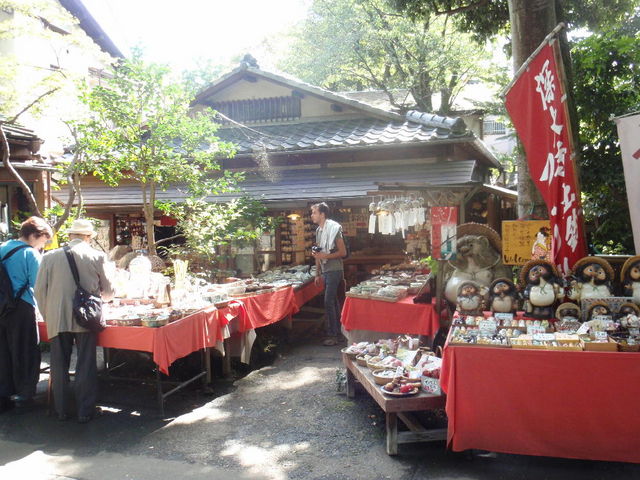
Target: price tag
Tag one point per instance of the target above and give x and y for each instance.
(601, 336)
(487, 327)
(605, 320)
(503, 316)
(399, 372)
(634, 331)
(535, 330)
(544, 337)
(584, 328)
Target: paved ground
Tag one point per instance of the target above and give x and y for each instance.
(283, 421)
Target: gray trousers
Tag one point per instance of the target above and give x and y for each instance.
(332, 310)
(86, 378)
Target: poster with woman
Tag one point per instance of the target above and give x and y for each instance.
(524, 240)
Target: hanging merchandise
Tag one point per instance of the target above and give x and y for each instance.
(372, 223)
(397, 215)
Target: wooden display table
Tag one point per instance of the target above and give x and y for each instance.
(395, 408)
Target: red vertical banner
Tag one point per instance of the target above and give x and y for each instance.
(443, 232)
(537, 105)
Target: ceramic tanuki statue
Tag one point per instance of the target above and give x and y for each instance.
(541, 288)
(470, 300)
(591, 278)
(568, 310)
(478, 258)
(503, 297)
(630, 277)
(628, 308)
(598, 309)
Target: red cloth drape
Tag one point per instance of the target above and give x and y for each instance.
(399, 317)
(307, 292)
(561, 404)
(269, 308)
(175, 340)
(202, 329)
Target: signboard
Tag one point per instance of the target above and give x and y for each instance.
(443, 232)
(526, 240)
(629, 134)
(537, 105)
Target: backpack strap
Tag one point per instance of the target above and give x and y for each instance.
(6, 257)
(12, 251)
(72, 265)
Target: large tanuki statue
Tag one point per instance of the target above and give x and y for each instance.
(541, 288)
(478, 258)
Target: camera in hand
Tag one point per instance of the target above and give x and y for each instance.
(316, 249)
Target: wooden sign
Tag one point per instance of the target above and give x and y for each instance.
(524, 240)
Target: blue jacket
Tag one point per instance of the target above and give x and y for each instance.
(22, 268)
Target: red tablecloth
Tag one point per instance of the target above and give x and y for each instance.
(561, 404)
(175, 340)
(307, 292)
(268, 308)
(399, 317)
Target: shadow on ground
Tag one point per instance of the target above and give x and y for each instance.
(282, 421)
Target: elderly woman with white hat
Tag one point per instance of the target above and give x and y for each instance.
(54, 291)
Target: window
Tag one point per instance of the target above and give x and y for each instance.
(493, 127)
(260, 109)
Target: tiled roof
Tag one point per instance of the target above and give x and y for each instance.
(339, 134)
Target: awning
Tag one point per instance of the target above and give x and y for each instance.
(307, 184)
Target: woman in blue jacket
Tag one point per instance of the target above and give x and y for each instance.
(19, 350)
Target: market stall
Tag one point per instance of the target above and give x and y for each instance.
(227, 321)
(385, 304)
(549, 403)
(365, 317)
(401, 379)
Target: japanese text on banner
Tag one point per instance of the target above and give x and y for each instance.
(537, 106)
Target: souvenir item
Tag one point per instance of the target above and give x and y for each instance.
(502, 296)
(628, 308)
(630, 277)
(478, 258)
(568, 310)
(598, 309)
(591, 277)
(541, 288)
(470, 298)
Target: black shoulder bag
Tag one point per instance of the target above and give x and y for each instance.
(87, 308)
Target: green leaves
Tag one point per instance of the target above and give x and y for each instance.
(365, 44)
(141, 129)
(206, 226)
(607, 83)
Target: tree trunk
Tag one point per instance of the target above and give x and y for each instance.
(149, 214)
(531, 22)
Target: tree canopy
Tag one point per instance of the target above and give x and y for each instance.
(141, 129)
(366, 44)
(487, 18)
(607, 83)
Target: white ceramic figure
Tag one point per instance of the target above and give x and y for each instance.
(478, 258)
(630, 277)
(542, 288)
(503, 297)
(591, 278)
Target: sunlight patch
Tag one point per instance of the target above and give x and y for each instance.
(265, 461)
